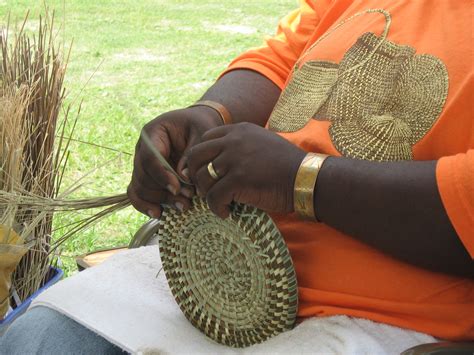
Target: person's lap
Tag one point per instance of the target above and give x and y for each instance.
(42, 330)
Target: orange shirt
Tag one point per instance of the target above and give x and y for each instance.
(408, 94)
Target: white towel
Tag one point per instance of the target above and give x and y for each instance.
(125, 301)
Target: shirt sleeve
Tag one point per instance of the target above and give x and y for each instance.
(276, 58)
(455, 177)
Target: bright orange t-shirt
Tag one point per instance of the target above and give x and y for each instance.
(387, 80)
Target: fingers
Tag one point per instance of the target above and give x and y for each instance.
(151, 174)
(182, 168)
(145, 156)
(220, 196)
(217, 192)
(150, 202)
(201, 154)
(204, 181)
(147, 195)
(147, 208)
(152, 185)
(152, 180)
(216, 133)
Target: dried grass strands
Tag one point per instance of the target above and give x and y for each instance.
(12, 142)
(35, 65)
(39, 203)
(34, 150)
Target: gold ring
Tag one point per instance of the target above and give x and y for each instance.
(212, 171)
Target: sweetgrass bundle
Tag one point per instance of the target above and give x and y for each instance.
(36, 129)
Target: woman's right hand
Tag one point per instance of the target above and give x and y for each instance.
(173, 134)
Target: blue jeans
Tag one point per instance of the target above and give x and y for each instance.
(42, 330)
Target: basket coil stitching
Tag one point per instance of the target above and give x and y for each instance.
(233, 279)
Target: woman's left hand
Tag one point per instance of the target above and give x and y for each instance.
(254, 166)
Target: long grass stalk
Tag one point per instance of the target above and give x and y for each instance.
(36, 129)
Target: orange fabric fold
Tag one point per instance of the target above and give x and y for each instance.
(455, 176)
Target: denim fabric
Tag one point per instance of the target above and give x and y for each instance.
(44, 331)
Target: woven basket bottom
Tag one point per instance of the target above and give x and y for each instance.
(233, 279)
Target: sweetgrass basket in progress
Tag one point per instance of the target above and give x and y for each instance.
(233, 279)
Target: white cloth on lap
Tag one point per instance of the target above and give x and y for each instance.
(126, 302)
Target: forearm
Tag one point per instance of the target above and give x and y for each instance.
(247, 95)
(394, 207)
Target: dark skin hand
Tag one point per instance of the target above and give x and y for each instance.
(175, 132)
(255, 166)
(394, 206)
(172, 133)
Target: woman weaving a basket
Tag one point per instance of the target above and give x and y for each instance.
(353, 128)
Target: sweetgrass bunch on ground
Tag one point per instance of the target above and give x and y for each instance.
(36, 130)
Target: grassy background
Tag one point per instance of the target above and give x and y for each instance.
(145, 57)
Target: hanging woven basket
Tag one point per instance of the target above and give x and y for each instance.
(233, 279)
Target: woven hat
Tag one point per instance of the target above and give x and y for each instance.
(233, 279)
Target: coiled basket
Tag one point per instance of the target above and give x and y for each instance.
(233, 279)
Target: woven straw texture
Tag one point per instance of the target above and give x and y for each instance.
(233, 279)
(380, 101)
(304, 95)
(382, 109)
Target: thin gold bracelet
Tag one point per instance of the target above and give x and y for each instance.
(221, 110)
(305, 184)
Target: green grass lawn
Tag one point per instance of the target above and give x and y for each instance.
(142, 58)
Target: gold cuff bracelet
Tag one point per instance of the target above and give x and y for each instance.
(305, 184)
(221, 110)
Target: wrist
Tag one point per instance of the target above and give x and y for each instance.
(205, 114)
(221, 110)
(294, 163)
